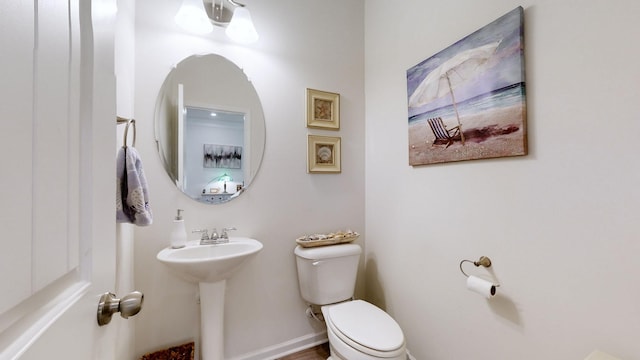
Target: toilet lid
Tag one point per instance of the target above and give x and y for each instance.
(366, 325)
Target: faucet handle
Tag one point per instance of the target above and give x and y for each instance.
(205, 234)
(225, 235)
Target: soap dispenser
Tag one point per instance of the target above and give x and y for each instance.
(179, 233)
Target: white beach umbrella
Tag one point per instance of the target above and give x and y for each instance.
(462, 67)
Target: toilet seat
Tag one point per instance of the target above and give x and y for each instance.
(365, 328)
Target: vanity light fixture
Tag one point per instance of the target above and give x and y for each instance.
(230, 14)
(241, 27)
(192, 17)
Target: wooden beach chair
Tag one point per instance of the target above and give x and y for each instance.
(442, 134)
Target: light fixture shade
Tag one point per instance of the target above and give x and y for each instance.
(241, 27)
(221, 178)
(192, 17)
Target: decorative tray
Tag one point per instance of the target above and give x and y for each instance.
(338, 237)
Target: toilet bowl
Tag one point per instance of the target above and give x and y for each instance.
(357, 330)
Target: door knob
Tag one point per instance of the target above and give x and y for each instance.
(129, 305)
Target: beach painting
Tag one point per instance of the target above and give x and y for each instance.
(467, 102)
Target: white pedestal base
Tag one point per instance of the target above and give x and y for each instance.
(212, 320)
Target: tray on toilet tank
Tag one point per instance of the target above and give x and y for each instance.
(338, 237)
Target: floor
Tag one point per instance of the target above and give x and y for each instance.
(320, 352)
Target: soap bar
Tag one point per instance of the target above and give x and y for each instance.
(599, 355)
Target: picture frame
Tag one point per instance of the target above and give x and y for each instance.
(323, 154)
(323, 110)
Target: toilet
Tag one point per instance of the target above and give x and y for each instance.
(357, 330)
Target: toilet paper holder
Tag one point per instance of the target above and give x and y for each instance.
(483, 261)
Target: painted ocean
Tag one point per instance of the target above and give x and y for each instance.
(501, 98)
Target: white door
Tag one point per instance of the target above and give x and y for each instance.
(57, 221)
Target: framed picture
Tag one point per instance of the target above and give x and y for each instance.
(323, 110)
(222, 156)
(467, 102)
(323, 154)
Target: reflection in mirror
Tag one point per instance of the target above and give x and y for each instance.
(214, 142)
(209, 129)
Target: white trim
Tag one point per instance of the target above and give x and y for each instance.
(409, 356)
(285, 348)
(20, 336)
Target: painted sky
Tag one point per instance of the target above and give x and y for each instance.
(506, 63)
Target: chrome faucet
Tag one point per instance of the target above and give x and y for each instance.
(224, 237)
(205, 235)
(205, 239)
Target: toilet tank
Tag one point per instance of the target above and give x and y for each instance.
(327, 274)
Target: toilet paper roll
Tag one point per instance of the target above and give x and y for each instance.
(481, 286)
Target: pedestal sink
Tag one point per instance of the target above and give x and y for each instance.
(210, 266)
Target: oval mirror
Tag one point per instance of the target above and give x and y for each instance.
(209, 128)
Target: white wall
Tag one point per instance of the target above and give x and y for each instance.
(303, 44)
(561, 224)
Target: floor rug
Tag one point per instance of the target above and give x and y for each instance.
(180, 352)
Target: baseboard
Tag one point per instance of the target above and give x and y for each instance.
(286, 348)
(409, 356)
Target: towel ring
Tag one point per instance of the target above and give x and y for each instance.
(484, 261)
(130, 122)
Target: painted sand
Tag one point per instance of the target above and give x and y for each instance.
(492, 133)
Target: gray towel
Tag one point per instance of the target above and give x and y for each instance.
(132, 196)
